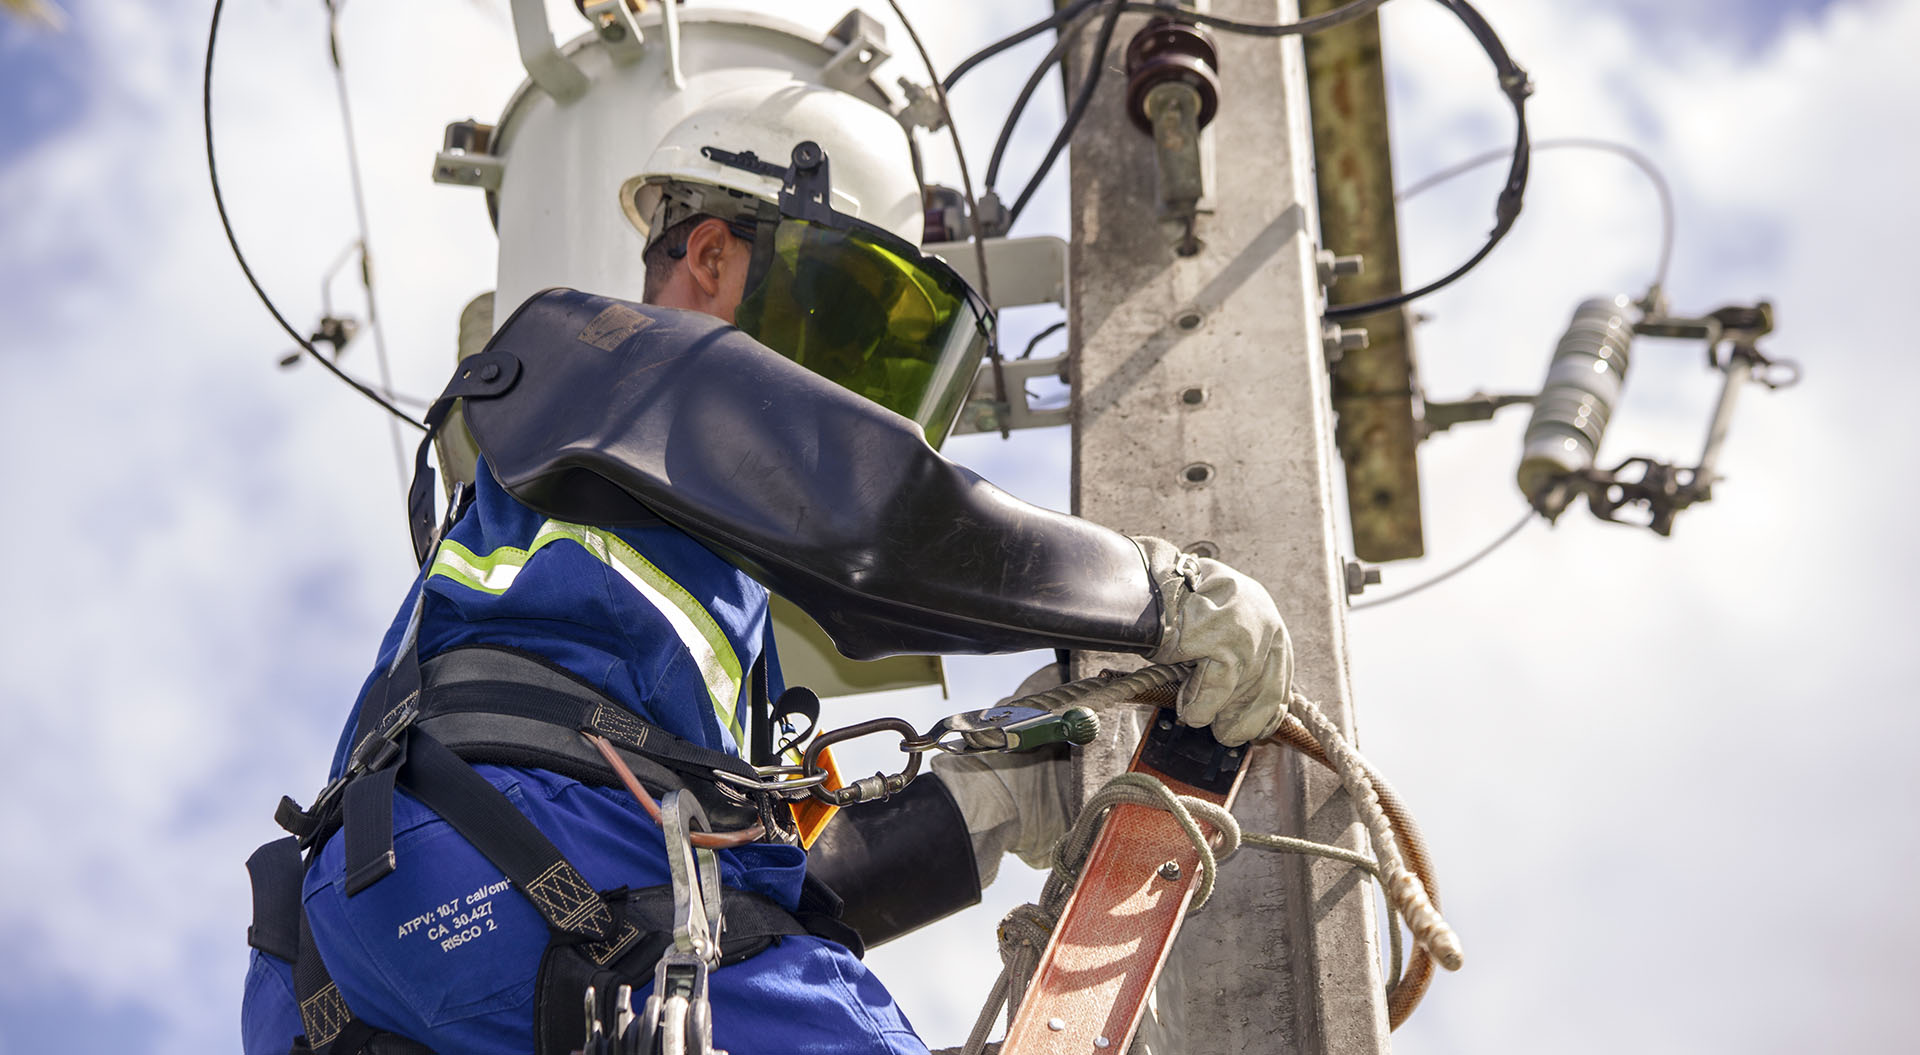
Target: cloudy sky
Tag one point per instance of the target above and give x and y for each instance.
(1668, 781)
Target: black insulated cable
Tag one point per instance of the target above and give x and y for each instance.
(1516, 86)
(973, 214)
(1058, 18)
(226, 224)
(1068, 34)
(1095, 68)
(1314, 24)
(1302, 27)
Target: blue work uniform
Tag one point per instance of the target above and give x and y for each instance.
(444, 950)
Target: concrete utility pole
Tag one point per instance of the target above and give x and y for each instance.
(1201, 414)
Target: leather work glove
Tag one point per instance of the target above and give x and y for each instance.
(1019, 803)
(1225, 622)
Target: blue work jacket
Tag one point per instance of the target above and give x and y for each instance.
(663, 626)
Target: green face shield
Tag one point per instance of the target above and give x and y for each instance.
(863, 307)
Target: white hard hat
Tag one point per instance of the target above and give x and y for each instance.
(873, 177)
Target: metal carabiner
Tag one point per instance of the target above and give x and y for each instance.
(866, 789)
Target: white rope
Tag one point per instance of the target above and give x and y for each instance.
(1405, 893)
(1024, 933)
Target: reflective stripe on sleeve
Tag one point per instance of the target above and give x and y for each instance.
(712, 653)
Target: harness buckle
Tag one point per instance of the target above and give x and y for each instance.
(379, 748)
(678, 1018)
(376, 751)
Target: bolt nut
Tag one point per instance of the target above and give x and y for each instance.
(1337, 340)
(1332, 267)
(1359, 577)
(1170, 871)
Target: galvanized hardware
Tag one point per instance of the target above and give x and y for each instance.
(863, 45)
(984, 413)
(549, 70)
(923, 107)
(614, 22)
(1571, 414)
(1359, 577)
(1338, 340)
(1333, 266)
(1439, 416)
(465, 157)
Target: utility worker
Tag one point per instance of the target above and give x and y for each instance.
(478, 865)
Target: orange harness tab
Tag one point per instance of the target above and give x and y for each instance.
(810, 815)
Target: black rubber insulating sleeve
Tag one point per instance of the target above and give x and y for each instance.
(626, 411)
(899, 864)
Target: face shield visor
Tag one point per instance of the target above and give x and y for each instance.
(858, 304)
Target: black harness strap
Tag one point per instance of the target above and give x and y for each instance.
(275, 871)
(574, 911)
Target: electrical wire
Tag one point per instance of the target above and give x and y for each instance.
(1041, 336)
(1311, 24)
(1058, 18)
(973, 214)
(226, 224)
(1453, 571)
(1095, 68)
(366, 243)
(1639, 161)
(1515, 84)
(1513, 81)
(1068, 34)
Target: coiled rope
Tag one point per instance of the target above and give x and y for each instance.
(1409, 892)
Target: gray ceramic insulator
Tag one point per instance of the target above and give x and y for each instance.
(1582, 388)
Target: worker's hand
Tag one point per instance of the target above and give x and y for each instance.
(1018, 802)
(1227, 624)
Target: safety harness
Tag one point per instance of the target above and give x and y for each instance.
(422, 726)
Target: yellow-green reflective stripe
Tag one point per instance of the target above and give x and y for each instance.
(492, 573)
(712, 653)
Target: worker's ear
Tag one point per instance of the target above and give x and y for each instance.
(706, 255)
